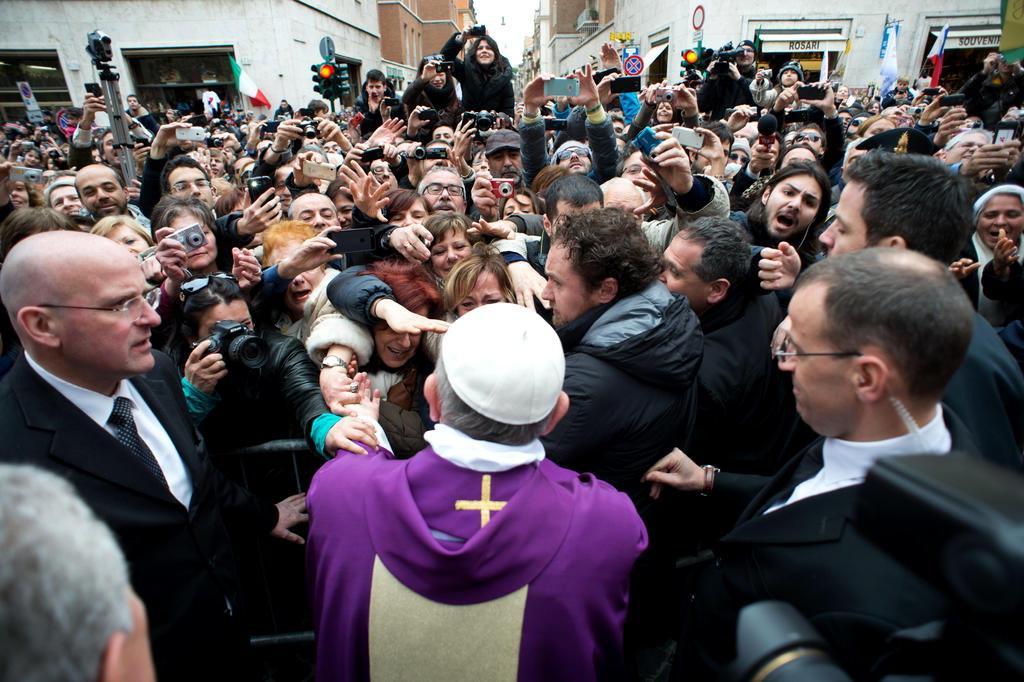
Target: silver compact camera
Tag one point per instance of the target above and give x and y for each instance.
(191, 237)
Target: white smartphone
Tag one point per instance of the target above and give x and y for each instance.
(689, 138)
(320, 171)
(193, 134)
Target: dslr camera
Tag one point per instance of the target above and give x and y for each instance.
(725, 56)
(421, 153)
(482, 120)
(238, 345)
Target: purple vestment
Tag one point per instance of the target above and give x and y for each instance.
(554, 561)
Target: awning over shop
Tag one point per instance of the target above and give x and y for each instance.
(969, 38)
(802, 42)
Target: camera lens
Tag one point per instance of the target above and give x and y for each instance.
(249, 351)
(196, 239)
(484, 122)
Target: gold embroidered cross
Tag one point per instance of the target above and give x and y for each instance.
(485, 504)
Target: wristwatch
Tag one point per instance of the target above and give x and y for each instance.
(332, 361)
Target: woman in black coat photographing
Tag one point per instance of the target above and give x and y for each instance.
(485, 75)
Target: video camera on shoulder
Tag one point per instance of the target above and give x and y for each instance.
(725, 56)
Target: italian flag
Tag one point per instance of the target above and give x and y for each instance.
(247, 86)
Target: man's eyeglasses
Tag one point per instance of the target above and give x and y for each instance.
(807, 137)
(197, 284)
(181, 186)
(582, 152)
(134, 308)
(435, 190)
(783, 348)
(381, 171)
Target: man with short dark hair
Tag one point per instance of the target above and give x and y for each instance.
(370, 101)
(928, 209)
(184, 177)
(708, 261)
(101, 191)
(874, 338)
(632, 350)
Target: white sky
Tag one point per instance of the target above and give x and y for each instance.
(518, 17)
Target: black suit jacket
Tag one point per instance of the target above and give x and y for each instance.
(811, 555)
(179, 559)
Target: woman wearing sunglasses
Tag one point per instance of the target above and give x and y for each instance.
(259, 385)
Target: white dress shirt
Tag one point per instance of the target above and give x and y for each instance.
(98, 407)
(847, 462)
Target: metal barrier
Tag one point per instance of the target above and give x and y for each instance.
(272, 571)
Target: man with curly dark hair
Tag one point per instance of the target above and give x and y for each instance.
(632, 350)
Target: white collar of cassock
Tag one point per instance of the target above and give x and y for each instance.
(849, 461)
(481, 455)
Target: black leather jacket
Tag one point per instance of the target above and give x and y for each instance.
(279, 400)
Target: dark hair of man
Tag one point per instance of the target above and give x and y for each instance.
(376, 75)
(628, 150)
(757, 209)
(27, 221)
(574, 189)
(726, 249)
(722, 132)
(915, 197)
(814, 128)
(170, 207)
(910, 307)
(183, 161)
(317, 105)
(787, 148)
(339, 186)
(606, 243)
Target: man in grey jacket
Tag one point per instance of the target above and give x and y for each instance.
(596, 158)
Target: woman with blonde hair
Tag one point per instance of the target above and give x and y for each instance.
(480, 279)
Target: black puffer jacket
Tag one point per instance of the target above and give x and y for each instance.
(279, 400)
(482, 89)
(631, 376)
(740, 384)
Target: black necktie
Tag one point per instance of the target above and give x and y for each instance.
(807, 469)
(125, 432)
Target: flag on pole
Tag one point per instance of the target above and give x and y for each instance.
(890, 70)
(841, 62)
(1011, 44)
(247, 86)
(935, 56)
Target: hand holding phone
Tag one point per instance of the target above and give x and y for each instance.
(257, 185)
(625, 84)
(562, 87)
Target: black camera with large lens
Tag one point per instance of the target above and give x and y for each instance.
(482, 120)
(421, 153)
(725, 56)
(308, 126)
(238, 344)
(214, 142)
